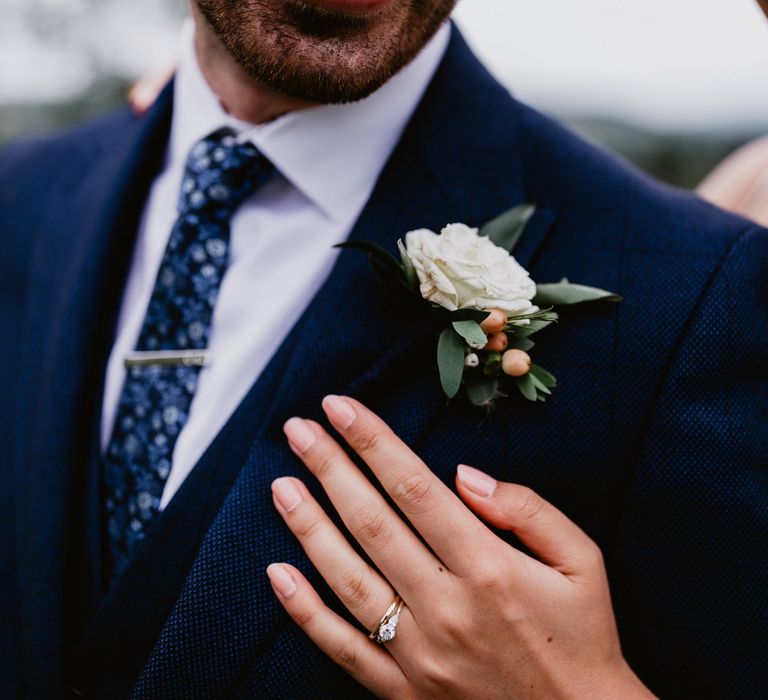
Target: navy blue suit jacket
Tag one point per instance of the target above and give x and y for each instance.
(655, 442)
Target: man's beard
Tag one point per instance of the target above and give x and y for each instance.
(308, 52)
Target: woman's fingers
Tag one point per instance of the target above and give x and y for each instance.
(547, 532)
(361, 589)
(367, 662)
(390, 543)
(451, 530)
(145, 91)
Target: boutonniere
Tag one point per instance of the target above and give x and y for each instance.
(486, 302)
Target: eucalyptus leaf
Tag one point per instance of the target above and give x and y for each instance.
(527, 387)
(540, 386)
(524, 344)
(526, 319)
(566, 294)
(450, 361)
(505, 230)
(471, 332)
(543, 376)
(481, 390)
(533, 327)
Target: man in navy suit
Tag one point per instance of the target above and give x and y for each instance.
(146, 389)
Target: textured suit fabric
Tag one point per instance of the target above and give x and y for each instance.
(655, 441)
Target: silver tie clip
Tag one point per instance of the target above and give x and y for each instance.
(188, 358)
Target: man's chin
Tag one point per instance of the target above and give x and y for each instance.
(328, 51)
(322, 87)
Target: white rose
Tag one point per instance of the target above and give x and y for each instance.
(459, 269)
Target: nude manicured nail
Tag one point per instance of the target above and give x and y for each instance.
(286, 493)
(299, 434)
(281, 580)
(476, 481)
(339, 411)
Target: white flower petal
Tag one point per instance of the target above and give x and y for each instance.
(461, 269)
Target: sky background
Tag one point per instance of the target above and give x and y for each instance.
(670, 64)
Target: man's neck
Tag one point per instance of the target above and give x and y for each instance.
(239, 94)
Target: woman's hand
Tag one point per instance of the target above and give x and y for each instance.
(481, 619)
(143, 93)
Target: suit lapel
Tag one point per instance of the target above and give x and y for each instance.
(85, 243)
(457, 161)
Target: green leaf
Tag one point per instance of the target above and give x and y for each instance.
(533, 327)
(381, 260)
(450, 361)
(471, 332)
(566, 294)
(410, 272)
(481, 390)
(366, 247)
(527, 387)
(505, 230)
(469, 315)
(540, 387)
(546, 314)
(492, 364)
(524, 344)
(543, 376)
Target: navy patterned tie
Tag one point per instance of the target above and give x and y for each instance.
(154, 405)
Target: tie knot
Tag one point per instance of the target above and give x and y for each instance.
(220, 174)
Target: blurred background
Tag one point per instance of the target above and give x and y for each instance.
(672, 84)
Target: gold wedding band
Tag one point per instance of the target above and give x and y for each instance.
(387, 627)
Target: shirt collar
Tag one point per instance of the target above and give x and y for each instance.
(333, 154)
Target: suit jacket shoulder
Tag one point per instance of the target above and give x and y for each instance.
(584, 181)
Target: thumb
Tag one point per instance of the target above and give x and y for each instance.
(547, 532)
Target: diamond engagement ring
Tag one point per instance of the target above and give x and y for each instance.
(385, 630)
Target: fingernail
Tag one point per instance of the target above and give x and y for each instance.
(286, 493)
(476, 481)
(299, 434)
(281, 580)
(339, 411)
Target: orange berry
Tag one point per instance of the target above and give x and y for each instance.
(495, 322)
(497, 342)
(515, 363)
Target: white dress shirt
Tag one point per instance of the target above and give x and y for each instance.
(281, 245)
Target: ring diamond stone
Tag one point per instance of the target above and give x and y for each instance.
(386, 629)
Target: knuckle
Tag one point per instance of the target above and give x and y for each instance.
(593, 556)
(530, 503)
(371, 524)
(307, 528)
(434, 673)
(345, 655)
(324, 465)
(304, 615)
(452, 627)
(355, 590)
(414, 491)
(512, 614)
(490, 576)
(367, 440)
